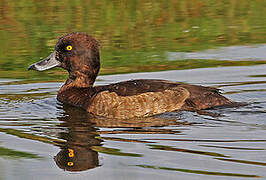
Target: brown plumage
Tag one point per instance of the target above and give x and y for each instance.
(128, 99)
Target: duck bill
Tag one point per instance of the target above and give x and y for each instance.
(48, 63)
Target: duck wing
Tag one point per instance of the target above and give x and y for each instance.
(138, 98)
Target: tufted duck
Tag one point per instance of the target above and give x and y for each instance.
(78, 53)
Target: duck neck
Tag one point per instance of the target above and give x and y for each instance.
(80, 80)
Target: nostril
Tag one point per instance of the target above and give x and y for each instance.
(32, 67)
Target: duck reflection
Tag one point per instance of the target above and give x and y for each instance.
(82, 135)
(76, 153)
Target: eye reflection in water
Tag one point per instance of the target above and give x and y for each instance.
(76, 153)
(82, 136)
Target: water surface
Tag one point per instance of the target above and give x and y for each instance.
(40, 133)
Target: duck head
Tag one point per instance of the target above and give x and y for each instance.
(78, 53)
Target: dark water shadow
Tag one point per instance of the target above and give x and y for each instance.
(169, 148)
(208, 140)
(243, 161)
(234, 148)
(199, 171)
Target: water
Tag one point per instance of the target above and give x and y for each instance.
(182, 145)
(42, 138)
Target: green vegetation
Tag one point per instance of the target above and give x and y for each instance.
(59, 74)
(169, 148)
(5, 152)
(113, 151)
(199, 171)
(24, 135)
(132, 33)
(243, 161)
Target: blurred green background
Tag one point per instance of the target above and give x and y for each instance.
(135, 35)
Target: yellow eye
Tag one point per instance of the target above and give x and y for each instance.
(70, 164)
(71, 154)
(69, 48)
